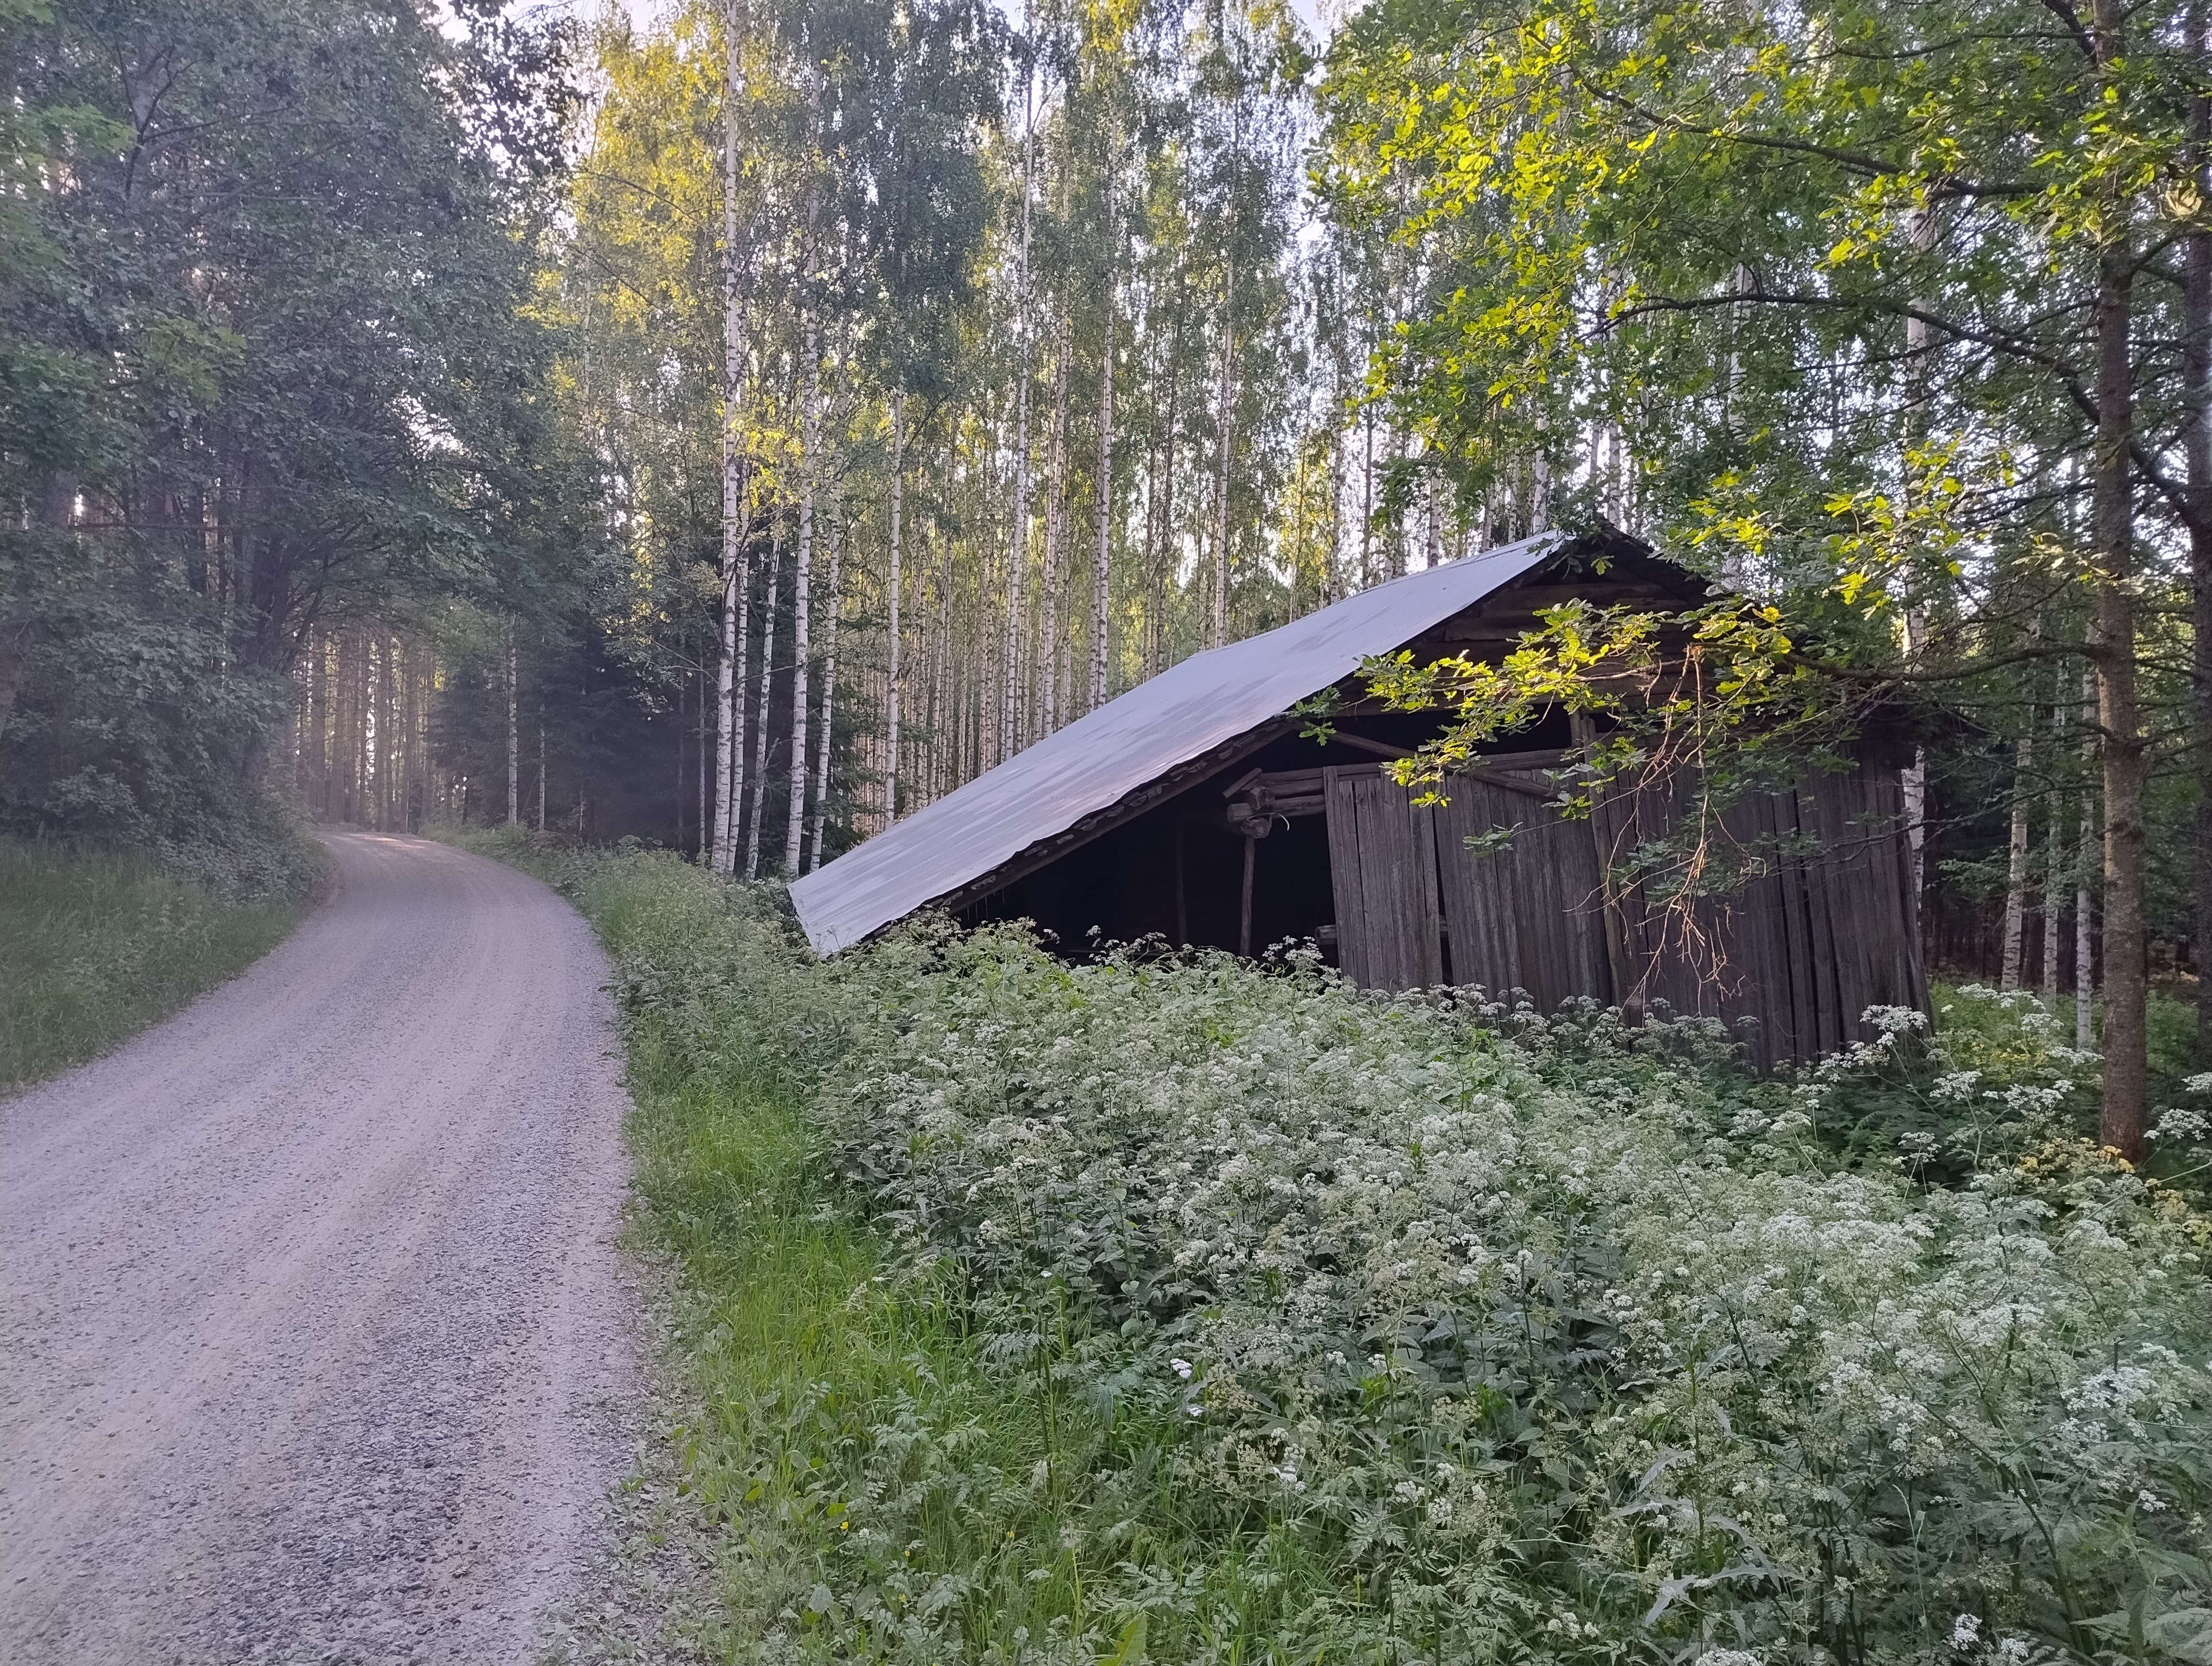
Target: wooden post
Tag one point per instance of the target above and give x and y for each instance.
(1244, 929)
(1182, 913)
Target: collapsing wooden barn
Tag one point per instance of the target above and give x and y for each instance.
(1194, 808)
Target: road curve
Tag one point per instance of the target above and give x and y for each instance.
(312, 1334)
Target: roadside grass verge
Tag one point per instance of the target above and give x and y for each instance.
(1173, 1309)
(796, 1344)
(99, 942)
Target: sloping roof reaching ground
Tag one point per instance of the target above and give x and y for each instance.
(1045, 796)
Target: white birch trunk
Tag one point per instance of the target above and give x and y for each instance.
(892, 694)
(1221, 482)
(1333, 580)
(1101, 573)
(1018, 540)
(801, 599)
(2054, 858)
(729, 784)
(760, 724)
(1054, 512)
(828, 696)
(513, 739)
(2015, 903)
(2085, 944)
(729, 788)
(1367, 500)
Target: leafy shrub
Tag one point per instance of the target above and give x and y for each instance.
(1421, 1329)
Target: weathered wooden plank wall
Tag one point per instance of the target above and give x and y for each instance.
(1799, 916)
(1801, 920)
(1527, 915)
(1388, 924)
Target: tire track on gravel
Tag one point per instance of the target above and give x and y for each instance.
(312, 1335)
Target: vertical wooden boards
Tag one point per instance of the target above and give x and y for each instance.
(1344, 866)
(1527, 915)
(1799, 919)
(1802, 921)
(1382, 869)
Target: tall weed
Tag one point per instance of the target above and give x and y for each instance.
(1168, 1306)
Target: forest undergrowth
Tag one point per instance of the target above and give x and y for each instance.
(1169, 1308)
(98, 940)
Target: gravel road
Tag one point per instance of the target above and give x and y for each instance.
(314, 1345)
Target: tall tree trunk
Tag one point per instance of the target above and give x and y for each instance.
(828, 696)
(2054, 855)
(729, 761)
(1017, 534)
(810, 430)
(2196, 449)
(2015, 903)
(1055, 512)
(1101, 572)
(1164, 566)
(943, 716)
(1367, 499)
(318, 719)
(760, 721)
(1221, 481)
(891, 714)
(2120, 1120)
(513, 737)
(729, 758)
(2085, 932)
(1333, 589)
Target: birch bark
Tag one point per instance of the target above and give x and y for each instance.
(729, 781)
(829, 693)
(810, 424)
(891, 714)
(2015, 903)
(514, 739)
(1018, 540)
(1221, 477)
(760, 723)
(1101, 572)
(2054, 857)
(1054, 512)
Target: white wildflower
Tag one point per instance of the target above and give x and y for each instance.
(2178, 1124)
(1728, 1657)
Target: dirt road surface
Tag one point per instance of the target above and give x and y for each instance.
(314, 1344)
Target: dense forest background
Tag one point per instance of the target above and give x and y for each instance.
(736, 430)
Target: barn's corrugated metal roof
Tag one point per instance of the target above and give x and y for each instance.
(1095, 761)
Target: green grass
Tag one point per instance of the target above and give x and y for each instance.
(799, 1354)
(96, 943)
